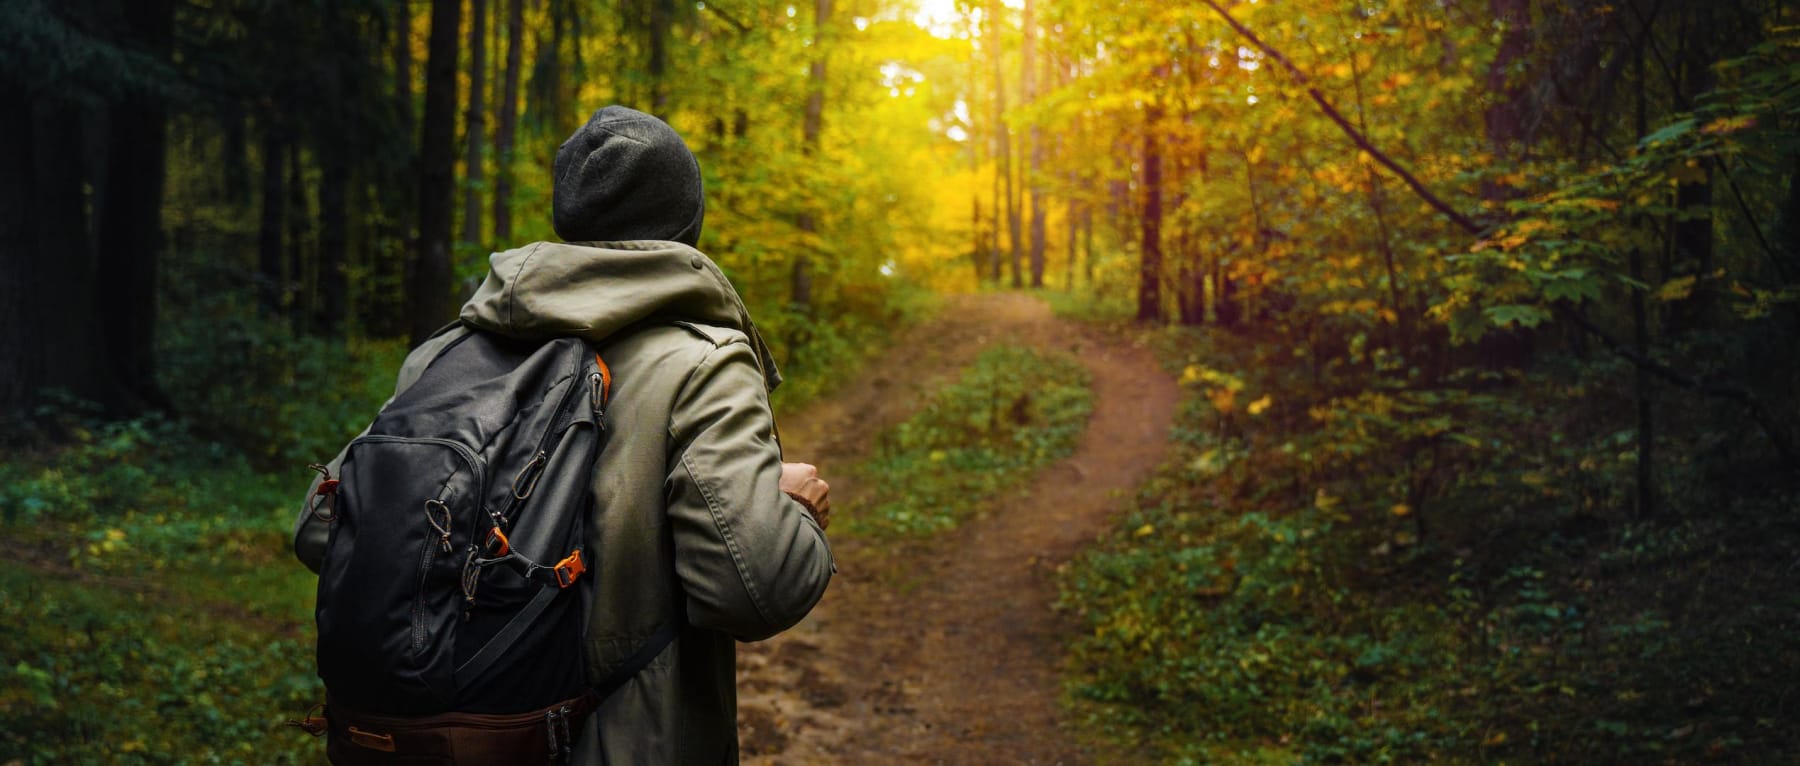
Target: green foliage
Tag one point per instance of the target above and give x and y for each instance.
(1571, 244)
(1012, 411)
(157, 615)
(1393, 575)
(284, 399)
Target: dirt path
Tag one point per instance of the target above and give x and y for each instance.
(947, 652)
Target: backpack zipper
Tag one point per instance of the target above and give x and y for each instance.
(430, 553)
(565, 416)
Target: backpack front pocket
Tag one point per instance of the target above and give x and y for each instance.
(390, 586)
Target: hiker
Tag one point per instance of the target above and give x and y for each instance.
(698, 523)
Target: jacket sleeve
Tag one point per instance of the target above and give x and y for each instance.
(752, 561)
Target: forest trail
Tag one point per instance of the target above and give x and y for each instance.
(947, 651)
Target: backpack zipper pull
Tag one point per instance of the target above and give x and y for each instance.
(443, 529)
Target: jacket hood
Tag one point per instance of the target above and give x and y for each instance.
(595, 290)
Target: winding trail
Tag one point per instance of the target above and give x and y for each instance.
(947, 651)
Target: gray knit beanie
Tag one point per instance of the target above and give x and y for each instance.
(626, 175)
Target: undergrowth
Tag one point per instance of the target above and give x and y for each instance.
(1012, 411)
(155, 613)
(1401, 573)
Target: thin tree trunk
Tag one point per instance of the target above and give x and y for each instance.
(504, 132)
(299, 282)
(474, 123)
(661, 21)
(1150, 265)
(991, 40)
(813, 124)
(429, 304)
(271, 228)
(1378, 206)
(1028, 89)
(334, 184)
(1643, 388)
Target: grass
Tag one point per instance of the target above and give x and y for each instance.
(1012, 412)
(154, 619)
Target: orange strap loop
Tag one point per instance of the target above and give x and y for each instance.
(605, 379)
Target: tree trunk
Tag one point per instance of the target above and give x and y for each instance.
(1150, 264)
(661, 21)
(271, 227)
(812, 125)
(334, 184)
(22, 313)
(504, 132)
(1028, 90)
(429, 304)
(299, 282)
(130, 231)
(991, 40)
(474, 123)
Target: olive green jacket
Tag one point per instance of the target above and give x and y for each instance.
(691, 524)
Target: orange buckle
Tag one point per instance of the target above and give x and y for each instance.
(497, 544)
(327, 487)
(568, 569)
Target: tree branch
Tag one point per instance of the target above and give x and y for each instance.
(1355, 135)
(713, 6)
(1744, 396)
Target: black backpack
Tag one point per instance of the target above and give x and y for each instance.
(451, 600)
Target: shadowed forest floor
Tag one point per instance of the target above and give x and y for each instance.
(947, 649)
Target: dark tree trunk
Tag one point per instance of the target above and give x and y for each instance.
(504, 132)
(403, 68)
(334, 184)
(429, 304)
(271, 227)
(1693, 224)
(813, 123)
(299, 282)
(1643, 388)
(384, 308)
(130, 231)
(1150, 265)
(23, 335)
(661, 21)
(48, 258)
(474, 122)
(236, 160)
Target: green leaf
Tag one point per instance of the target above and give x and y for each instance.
(1516, 314)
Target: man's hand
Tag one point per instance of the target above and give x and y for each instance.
(801, 482)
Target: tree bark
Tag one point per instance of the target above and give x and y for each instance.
(474, 123)
(428, 299)
(22, 343)
(661, 22)
(505, 131)
(1150, 263)
(130, 232)
(271, 227)
(334, 184)
(1028, 91)
(813, 123)
(991, 39)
